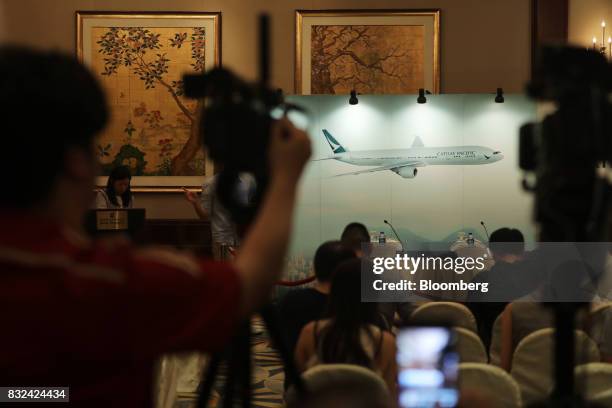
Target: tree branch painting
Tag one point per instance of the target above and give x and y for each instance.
(382, 59)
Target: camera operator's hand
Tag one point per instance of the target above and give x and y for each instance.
(289, 150)
(260, 260)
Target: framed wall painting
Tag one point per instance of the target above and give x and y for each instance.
(371, 51)
(139, 58)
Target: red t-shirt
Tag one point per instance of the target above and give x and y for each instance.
(78, 313)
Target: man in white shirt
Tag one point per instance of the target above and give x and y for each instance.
(223, 228)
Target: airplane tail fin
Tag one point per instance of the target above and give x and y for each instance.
(333, 143)
(417, 142)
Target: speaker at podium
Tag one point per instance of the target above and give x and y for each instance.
(104, 222)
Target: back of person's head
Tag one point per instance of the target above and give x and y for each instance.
(327, 258)
(354, 235)
(119, 173)
(507, 241)
(52, 104)
(348, 315)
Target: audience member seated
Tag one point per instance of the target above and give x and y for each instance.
(350, 334)
(528, 313)
(354, 236)
(517, 321)
(301, 306)
(522, 317)
(504, 279)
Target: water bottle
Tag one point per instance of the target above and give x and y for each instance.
(470, 239)
(381, 238)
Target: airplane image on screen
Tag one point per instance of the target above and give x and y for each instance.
(404, 162)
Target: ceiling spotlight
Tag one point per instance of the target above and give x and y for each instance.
(421, 98)
(353, 99)
(499, 97)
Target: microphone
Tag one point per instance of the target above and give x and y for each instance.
(396, 234)
(485, 229)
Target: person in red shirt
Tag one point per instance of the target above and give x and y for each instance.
(94, 316)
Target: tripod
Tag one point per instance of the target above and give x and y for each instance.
(237, 386)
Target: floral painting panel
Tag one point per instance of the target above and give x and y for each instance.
(152, 128)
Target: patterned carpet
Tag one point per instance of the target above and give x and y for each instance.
(268, 376)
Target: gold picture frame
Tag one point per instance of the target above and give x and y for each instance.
(419, 31)
(139, 58)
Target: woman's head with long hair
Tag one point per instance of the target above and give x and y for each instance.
(341, 338)
(118, 184)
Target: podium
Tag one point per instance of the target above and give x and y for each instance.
(128, 221)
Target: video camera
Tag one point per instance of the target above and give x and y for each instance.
(567, 152)
(235, 125)
(566, 148)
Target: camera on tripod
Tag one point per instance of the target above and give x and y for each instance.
(572, 198)
(566, 148)
(235, 125)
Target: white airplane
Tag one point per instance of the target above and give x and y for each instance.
(404, 162)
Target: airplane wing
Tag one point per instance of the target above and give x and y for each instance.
(324, 158)
(383, 168)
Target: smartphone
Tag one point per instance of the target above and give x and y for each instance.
(428, 367)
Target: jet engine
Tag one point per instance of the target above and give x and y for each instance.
(406, 171)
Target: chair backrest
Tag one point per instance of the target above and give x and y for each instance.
(497, 384)
(342, 376)
(496, 342)
(449, 312)
(599, 327)
(518, 320)
(471, 349)
(532, 363)
(594, 380)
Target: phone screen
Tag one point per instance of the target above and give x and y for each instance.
(428, 366)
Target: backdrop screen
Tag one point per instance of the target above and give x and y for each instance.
(433, 170)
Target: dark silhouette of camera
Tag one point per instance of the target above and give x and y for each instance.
(566, 148)
(235, 128)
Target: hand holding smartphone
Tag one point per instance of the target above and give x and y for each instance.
(428, 367)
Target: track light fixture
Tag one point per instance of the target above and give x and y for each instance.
(421, 98)
(499, 97)
(353, 99)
